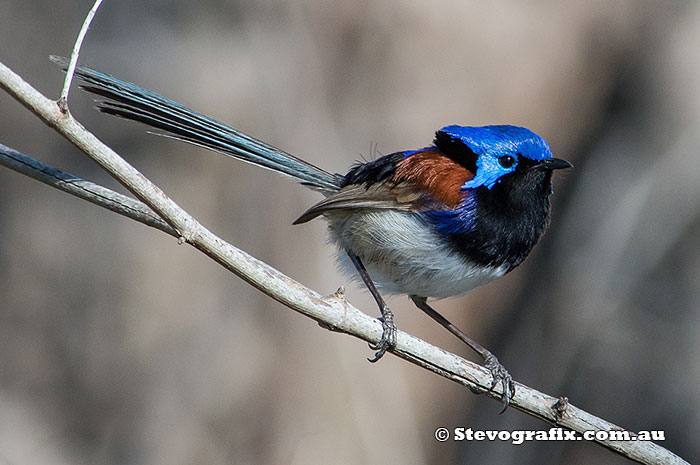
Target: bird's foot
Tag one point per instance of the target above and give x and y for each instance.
(388, 340)
(500, 375)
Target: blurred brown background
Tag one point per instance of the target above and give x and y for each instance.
(117, 346)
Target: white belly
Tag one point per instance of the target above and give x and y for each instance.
(404, 256)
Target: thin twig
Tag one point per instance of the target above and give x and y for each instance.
(332, 312)
(82, 188)
(63, 99)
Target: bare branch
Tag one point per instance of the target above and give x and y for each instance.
(63, 99)
(332, 312)
(82, 188)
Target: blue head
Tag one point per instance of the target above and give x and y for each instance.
(492, 152)
(512, 169)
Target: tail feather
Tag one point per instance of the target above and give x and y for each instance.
(132, 102)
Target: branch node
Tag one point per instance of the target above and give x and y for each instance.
(329, 327)
(476, 389)
(188, 231)
(62, 103)
(560, 408)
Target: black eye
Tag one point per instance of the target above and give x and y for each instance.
(506, 161)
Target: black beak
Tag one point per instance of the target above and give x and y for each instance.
(554, 164)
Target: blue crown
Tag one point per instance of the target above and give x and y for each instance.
(501, 140)
(490, 143)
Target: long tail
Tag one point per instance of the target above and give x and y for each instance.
(132, 102)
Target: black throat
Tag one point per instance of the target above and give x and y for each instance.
(509, 220)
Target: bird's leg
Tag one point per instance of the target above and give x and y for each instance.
(498, 372)
(388, 340)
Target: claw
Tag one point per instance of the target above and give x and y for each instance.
(388, 340)
(500, 374)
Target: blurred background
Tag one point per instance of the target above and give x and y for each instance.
(117, 346)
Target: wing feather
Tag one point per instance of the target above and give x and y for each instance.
(380, 196)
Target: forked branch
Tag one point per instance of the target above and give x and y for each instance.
(332, 312)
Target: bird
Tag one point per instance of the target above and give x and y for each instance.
(435, 222)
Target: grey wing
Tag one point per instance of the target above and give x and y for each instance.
(380, 196)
